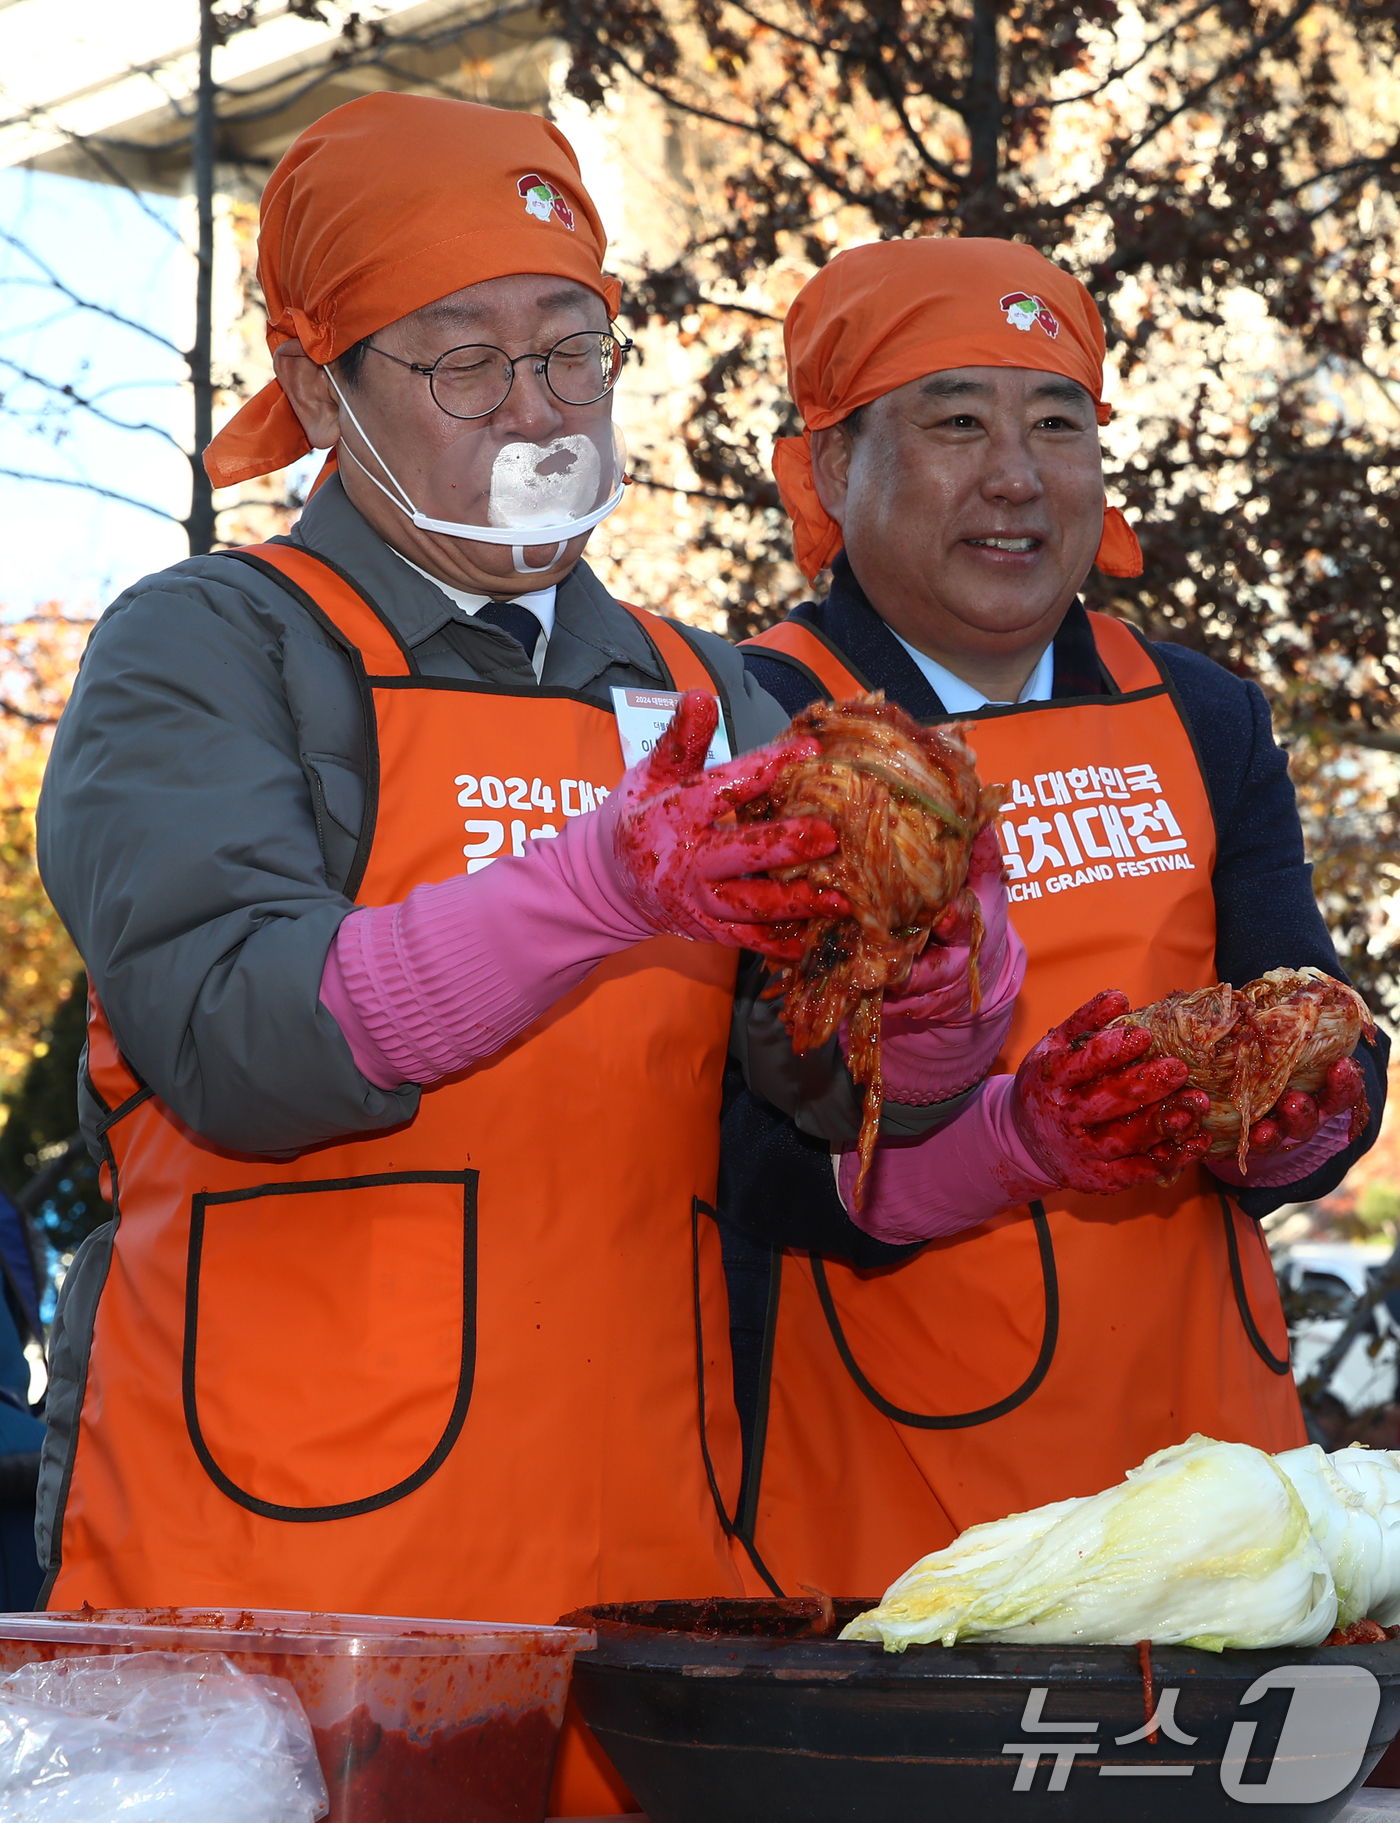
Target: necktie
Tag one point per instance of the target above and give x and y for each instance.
(511, 617)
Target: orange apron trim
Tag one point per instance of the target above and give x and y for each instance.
(449, 1369)
(1050, 1350)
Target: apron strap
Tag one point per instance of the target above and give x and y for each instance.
(1125, 654)
(805, 650)
(333, 599)
(1121, 647)
(684, 658)
(110, 1078)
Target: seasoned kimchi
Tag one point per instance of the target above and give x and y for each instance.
(907, 806)
(1248, 1046)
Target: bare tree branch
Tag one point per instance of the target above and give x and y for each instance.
(754, 129)
(51, 620)
(895, 96)
(714, 303)
(691, 493)
(93, 150)
(91, 487)
(1353, 734)
(1193, 98)
(1126, 69)
(76, 398)
(43, 322)
(1372, 166)
(292, 505)
(824, 47)
(369, 57)
(27, 716)
(83, 303)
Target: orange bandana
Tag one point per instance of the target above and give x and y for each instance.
(385, 205)
(880, 316)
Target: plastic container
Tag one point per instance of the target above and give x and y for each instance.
(431, 1720)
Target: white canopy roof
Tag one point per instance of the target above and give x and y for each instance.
(102, 91)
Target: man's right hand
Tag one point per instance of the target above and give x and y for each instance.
(934, 1042)
(1099, 1118)
(688, 868)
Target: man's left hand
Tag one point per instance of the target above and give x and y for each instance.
(1296, 1116)
(1300, 1133)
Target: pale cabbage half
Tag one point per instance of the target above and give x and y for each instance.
(1353, 1503)
(1206, 1544)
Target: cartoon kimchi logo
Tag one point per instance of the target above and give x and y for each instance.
(1024, 310)
(544, 199)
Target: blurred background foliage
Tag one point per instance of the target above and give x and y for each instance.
(1224, 178)
(42, 989)
(38, 658)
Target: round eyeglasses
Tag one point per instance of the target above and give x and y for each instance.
(475, 380)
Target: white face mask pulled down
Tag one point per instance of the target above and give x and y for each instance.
(555, 491)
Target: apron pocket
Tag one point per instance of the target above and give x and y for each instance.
(330, 1338)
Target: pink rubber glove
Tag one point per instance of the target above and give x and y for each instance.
(1299, 1133)
(423, 989)
(1099, 1120)
(933, 1045)
(1287, 1164)
(688, 873)
(1081, 1113)
(954, 1178)
(1296, 1116)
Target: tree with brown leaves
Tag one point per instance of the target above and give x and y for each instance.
(1223, 177)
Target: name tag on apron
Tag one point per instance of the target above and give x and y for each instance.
(642, 716)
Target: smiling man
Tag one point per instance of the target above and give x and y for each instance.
(989, 1331)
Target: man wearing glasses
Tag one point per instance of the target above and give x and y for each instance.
(405, 1058)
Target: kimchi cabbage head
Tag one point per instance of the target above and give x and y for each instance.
(1353, 1503)
(906, 804)
(1247, 1046)
(1206, 1544)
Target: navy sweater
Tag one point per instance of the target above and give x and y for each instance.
(776, 1183)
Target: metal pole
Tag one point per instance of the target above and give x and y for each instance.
(200, 524)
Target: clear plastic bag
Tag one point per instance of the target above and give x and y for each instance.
(155, 1737)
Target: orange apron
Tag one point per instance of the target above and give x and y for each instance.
(453, 1369)
(1046, 1352)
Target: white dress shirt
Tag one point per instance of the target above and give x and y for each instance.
(959, 698)
(540, 603)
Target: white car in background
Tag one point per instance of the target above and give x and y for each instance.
(1332, 1276)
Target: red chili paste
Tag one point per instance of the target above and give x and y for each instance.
(496, 1771)
(1360, 1633)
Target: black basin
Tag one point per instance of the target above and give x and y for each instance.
(752, 1712)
